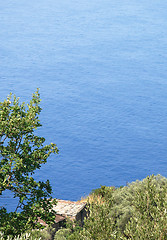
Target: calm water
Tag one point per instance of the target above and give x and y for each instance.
(101, 67)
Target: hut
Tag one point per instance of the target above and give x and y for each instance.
(75, 211)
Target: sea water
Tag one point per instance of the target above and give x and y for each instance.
(101, 67)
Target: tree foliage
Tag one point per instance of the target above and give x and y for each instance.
(136, 211)
(149, 219)
(21, 153)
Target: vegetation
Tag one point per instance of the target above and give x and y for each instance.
(136, 211)
(44, 234)
(21, 153)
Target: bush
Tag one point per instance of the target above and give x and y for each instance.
(25, 236)
(137, 211)
(62, 234)
(149, 220)
(37, 234)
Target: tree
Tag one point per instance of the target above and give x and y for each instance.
(134, 212)
(149, 220)
(21, 153)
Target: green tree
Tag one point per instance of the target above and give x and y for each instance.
(149, 220)
(21, 153)
(137, 211)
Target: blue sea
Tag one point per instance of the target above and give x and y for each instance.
(101, 67)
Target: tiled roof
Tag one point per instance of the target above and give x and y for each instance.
(68, 208)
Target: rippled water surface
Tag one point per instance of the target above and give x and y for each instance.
(101, 67)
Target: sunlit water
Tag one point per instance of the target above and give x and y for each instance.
(101, 67)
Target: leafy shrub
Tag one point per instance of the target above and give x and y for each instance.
(25, 236)
(99, 224)
(37, 234)
(137, 211)
(123, 198)
(44, 234)
(103, 191)
(62, 234)
(134, 212)
(149, 220)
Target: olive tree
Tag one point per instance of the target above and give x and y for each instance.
(21, 153)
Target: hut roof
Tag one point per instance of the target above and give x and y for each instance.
(68, 208)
